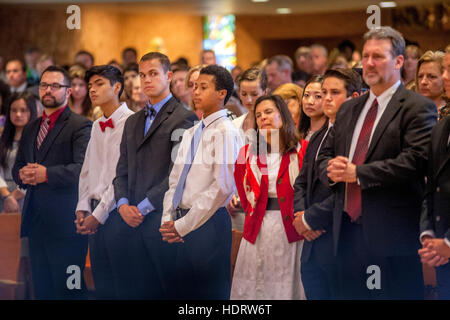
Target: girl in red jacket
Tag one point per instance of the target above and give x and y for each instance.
(268, 262)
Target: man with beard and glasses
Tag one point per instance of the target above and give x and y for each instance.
(48, 165)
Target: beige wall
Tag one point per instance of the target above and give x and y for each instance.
(106, 30)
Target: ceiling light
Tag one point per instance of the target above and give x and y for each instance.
(388, 4)
(260, 0)
(284, 10)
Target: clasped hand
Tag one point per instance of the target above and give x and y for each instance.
(33, 174)
(435, 252)
(340, 169)
(86, 224)
(169, 233)
(302, 230)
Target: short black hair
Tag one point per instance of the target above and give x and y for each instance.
(352, 79)
(131, 49)
(222, 79)
(59, 69)
(22, 63)
(106, 71)
(86, 53)
(131, 67)
(163, 59)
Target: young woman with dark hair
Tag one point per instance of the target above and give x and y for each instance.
(20, 111)
(268, 262)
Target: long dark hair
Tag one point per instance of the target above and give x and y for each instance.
(288, 135)
(305, 122)
(7, 138)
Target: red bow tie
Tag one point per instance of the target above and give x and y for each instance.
(105, 124)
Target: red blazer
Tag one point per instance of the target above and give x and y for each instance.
(285, 193)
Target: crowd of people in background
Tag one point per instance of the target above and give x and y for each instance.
(327, 162)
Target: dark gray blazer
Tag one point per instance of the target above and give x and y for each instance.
(145, 162)
(437, 215)
(392, 176)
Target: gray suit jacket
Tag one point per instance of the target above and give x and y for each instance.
(145, 162)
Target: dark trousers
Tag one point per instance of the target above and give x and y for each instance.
(101, 265)
(443, 281)
(203, 260)
(51, 261)
(400, 277)
(320, 276)
(142, 264)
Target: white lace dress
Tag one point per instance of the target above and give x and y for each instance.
(270, 268)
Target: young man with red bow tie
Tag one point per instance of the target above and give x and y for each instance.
(96, 192)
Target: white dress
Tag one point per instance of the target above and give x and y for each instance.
(270, 268)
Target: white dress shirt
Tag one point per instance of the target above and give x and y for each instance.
(210, 181)
(99, 166)
(383, 100)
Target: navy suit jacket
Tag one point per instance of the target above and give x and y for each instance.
(316, 198)
(437, 217)
(62, 153)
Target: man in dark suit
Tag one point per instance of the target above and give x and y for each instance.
(435, 225)
(144, 264)
(313, 200)
(375, 157)
(48, 165)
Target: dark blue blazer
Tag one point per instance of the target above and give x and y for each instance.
(312, 195)
(62, 153)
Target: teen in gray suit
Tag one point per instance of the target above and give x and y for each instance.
(143, 262)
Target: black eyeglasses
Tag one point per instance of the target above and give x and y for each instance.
(53, 86)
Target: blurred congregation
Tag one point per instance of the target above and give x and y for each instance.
(329, 177)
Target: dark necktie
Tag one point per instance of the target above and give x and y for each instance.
(353, 189)
(43, 132)
(104, 125)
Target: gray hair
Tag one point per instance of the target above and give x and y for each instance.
(396, 38)
(321, 47)
(283, 62)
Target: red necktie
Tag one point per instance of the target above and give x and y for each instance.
(43, 131)
(353, 189)
(105, 124)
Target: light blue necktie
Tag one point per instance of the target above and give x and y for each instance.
(195, 141)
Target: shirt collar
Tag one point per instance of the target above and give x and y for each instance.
(157, 106)
(116, 114)
(21, 88)
(214, 116)
(384, 98)
(54, 116)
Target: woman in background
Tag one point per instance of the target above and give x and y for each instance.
(79, 101)
(292, 95)
(20, 111)
(429, 82)
(312, 117)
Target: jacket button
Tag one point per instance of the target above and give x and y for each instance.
(438, 189)
(286, 218)
(280, 181)
(282, 199)
(438, 218)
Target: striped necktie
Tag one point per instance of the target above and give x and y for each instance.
(43, 132)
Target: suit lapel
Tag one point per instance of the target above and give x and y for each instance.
(161, 116)
(391, 110)
(53, 133)
(356, 111)
(442, 147)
